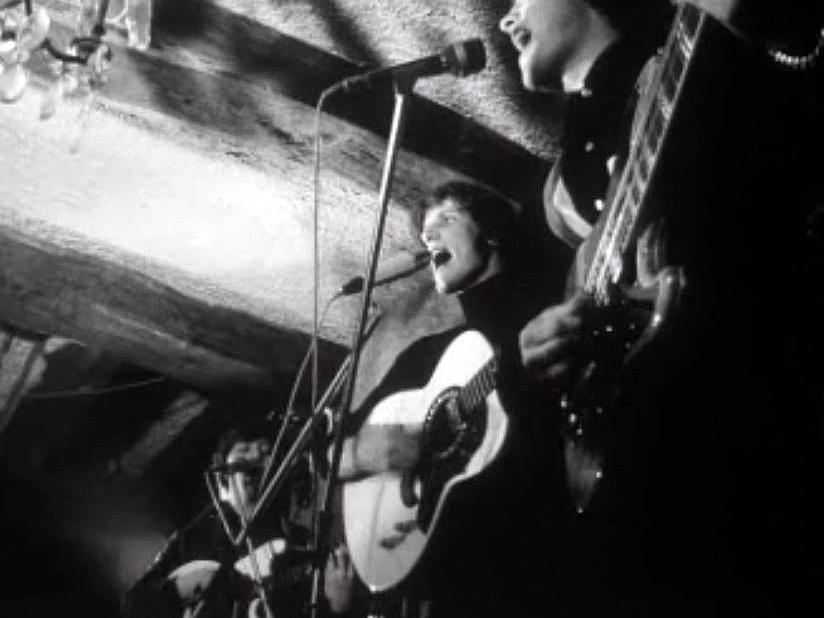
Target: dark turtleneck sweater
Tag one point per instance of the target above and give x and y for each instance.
(497, 307)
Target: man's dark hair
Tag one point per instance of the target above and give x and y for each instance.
(497, 217)
(639, 15)
(248, 431)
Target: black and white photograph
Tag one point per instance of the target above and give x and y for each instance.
(411, 308)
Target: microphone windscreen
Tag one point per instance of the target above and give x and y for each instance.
(466, 57)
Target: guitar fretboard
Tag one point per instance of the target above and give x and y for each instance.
(655, 111)
(479, 386)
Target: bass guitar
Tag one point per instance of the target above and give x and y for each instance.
(631, 265)
(389, 517)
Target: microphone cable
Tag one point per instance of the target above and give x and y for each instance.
(317, 317)
(316, 192)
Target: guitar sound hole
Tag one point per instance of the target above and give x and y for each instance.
(451, 434)
(444, 425)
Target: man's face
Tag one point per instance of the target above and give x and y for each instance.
(245, 461)
(546, 34)
(461, 255)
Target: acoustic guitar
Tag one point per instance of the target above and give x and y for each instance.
(389, 517)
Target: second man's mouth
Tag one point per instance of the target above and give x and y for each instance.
(520, 38)
(440, 257)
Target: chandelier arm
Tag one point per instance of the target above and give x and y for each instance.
(87, 44)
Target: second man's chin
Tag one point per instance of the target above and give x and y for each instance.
(443, 288)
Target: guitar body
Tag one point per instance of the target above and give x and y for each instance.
(629, 329)
(389, 517)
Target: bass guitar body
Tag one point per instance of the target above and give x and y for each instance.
(628, 328)
(632, 264)
(389, 517)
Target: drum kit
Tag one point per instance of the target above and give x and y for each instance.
(280, 569)
(268, 579)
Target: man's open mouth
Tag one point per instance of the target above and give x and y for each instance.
(520, 38)
(440, 257)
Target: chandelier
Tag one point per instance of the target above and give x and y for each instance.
(71, 51)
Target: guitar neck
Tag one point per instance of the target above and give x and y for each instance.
(479, 386)
(655, 110)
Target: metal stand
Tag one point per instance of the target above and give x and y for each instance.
(274, 485)
(348, 371)
(257, 578)
(403, 89)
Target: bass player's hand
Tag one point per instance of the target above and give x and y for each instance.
(549, 342)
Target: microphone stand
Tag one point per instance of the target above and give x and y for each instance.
(348, 369)
(403, 89)
(295, 450)
(228, 567)
(297, 447)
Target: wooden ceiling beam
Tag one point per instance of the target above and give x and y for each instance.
(229, 90)
(51, 289)
(205, 33)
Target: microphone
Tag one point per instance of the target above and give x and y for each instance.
(460, 59)
(394, 268)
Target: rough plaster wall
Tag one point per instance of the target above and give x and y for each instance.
(218, 228)
(119, 197)
(380, 32)
(199, 206)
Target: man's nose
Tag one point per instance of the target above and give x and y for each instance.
(507, 22)
(429, 234)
